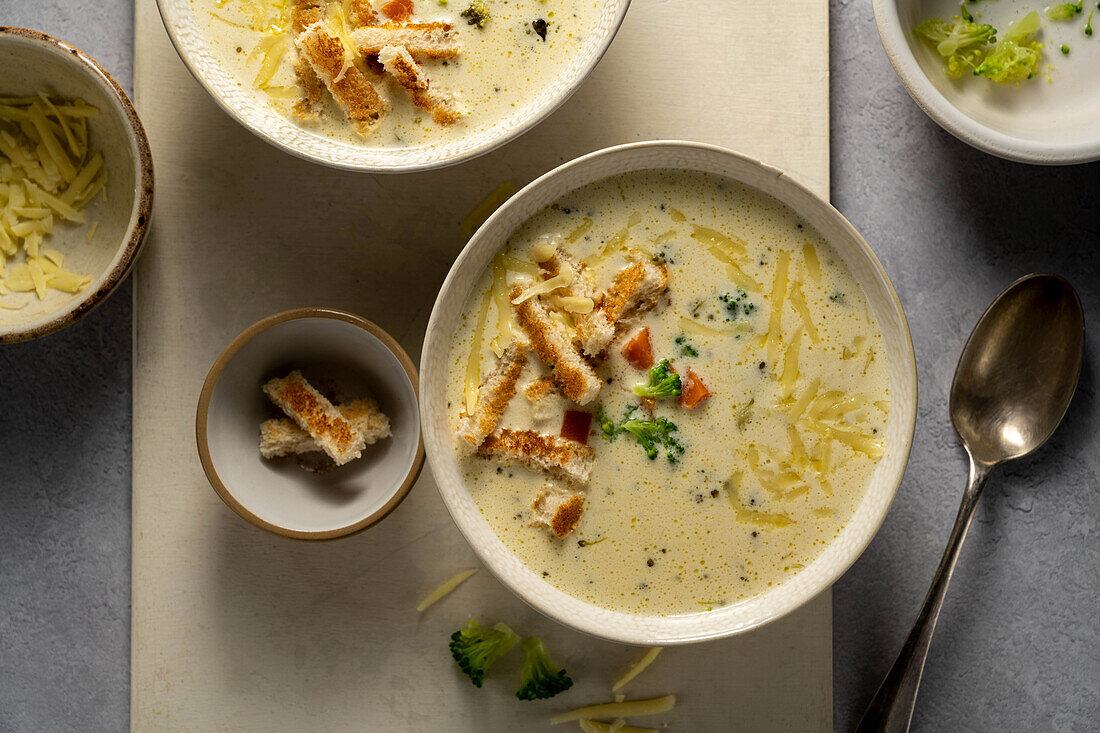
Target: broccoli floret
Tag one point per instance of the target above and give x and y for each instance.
(539, 678)
(476, 649)
(737, 303)
(607, 425)
(686, 349)
(653, 433)
(663, 382)
(961, 42)
(1014, 58)
(477, 14)
(650, 433)
(1063, 11)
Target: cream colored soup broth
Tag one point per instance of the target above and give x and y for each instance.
(773, 462)
(499, 66)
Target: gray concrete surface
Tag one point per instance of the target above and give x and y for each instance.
(1017, 647)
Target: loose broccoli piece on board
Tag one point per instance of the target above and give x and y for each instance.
(961, 43)
(663, 382)
(1014, 58)
(476, 649)
(539, 678)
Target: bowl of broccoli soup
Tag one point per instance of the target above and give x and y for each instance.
(668, 393)
(390, 85)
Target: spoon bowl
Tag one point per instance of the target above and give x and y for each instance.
(1018, 370)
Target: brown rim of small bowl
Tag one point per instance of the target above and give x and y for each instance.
(204, 407)
(144, 204)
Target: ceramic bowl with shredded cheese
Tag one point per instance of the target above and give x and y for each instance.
(76, 184)
(733, 540)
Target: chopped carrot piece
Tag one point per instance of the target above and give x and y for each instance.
(576, 425)
(638, 351)
(692, 391)
(398, 11)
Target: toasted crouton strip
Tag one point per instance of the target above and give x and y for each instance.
(558, 509)
(543, 395)
(361, 13)
(282, 436)
(437, 40)
(349, 87)
(559, 457)
(304, 14)
(555, 347)
(582, 286)
(493, 396)
(635, 290)
(444, 106)
(317, 416)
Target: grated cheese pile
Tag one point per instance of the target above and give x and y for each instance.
(45, 173)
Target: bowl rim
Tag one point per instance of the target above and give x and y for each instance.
(949, 117)
(203, 409)
(183, 51)
(141, 209)
(633, 634)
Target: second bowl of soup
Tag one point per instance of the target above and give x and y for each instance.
(390, 85)
(668, 393)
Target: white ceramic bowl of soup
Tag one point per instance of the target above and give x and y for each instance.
(1053, 119)
(196, 38)
(439, 434)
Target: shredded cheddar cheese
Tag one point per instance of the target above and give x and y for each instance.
(628, 709)
(444, 589)
(45, 174)
(637, 668)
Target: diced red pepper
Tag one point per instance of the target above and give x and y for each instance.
(692, 390)
(576, 425)
(638, 351)
(398, 11)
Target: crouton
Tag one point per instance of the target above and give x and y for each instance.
(333, 432)
(558, 509)
(435, 40)
(361, 13)
(543, 395)
(634, 290)
(559, 457)
(325, 54)
(303, 14)
(444, 106)
(282, 436)
(555, 347)
(493, 396)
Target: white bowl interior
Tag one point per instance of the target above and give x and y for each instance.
(244, 105)
(30, 66)
(1040, 122)
(328, 352)
(439, 440)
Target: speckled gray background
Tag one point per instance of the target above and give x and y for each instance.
(1018, 646)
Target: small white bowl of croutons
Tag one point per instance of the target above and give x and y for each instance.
(76, 184)
(308, 424)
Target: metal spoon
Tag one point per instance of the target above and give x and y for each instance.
(1013, 384)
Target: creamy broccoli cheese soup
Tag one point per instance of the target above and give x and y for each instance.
(669, 393)
(396, 73)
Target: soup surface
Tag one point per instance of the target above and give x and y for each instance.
(758, 475)
(496, 66)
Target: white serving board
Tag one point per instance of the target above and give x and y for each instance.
(236, 629)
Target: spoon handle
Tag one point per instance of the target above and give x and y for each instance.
(892, 707)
